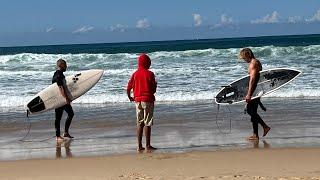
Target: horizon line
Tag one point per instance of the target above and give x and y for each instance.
(142, 42)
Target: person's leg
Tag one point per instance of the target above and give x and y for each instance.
(58, 115)
(147, 132)
(266, 128)
(69, 110)
(148, 121)
(140, 125)
(259, 120)
(139, 136)
(252, 108)
(255, 126)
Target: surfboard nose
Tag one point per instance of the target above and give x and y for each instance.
(98, 71)
(296, 72)
(293, 73)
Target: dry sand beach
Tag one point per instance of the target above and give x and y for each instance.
(294, 164)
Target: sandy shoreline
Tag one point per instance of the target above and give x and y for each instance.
(185, 127)
(190, 145)
(293, 163)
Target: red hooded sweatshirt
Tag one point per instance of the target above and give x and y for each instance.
(143, 81)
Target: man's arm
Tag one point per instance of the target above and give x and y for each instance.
(63, 91)
(154, 84)
(62, 87)
(129, 88)
(254, 74)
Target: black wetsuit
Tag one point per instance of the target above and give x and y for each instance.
(59, 78)
(252, 108)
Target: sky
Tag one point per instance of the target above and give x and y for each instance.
(40, 22)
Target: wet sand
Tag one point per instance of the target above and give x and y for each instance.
(194, 141)
(179, 127)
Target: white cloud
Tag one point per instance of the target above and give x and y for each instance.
(225, 19)
(118, 27)
(294, 19)
(49, 29)
(143, 24)
(83, 29)
(315, 17)
(197, 19)
(273, 18)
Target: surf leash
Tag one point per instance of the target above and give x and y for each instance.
(23, 139)
(217, 116)
(27, 120)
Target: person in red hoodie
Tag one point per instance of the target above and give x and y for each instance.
(144, 85)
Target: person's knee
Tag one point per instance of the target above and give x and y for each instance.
(147, 127)
(57, 120)
(250, 113)
(71, 114)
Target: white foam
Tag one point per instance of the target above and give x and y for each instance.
(182, 75)
(292, 93)
(171, 97)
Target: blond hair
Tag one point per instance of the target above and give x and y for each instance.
(246, 53)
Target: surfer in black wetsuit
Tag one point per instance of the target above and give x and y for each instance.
(59, 78)
(252, 104)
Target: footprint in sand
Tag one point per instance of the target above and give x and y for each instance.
(136, 176)
(200, 178)
(164, 156)
(295, 178)
(259, 177)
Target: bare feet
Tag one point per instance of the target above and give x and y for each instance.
(59, 139)
(253, 138)
(140, 149)
(67, 135)
(150, 148)
(266, 130)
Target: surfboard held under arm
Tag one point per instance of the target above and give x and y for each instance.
(270, 80)
(51, 97)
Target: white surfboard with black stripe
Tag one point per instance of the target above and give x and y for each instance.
(51, 97)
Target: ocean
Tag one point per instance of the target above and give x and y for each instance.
(189, 74)
(190, 70)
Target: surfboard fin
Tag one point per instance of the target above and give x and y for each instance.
(227, 86)
(230, 102)
(260, 93)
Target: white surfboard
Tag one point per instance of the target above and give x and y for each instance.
(51, 97)
(270, 80)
